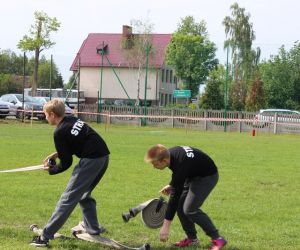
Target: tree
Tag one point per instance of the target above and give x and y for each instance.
(255, 99)
(44, 75)
(7, 85)
(191, 53)
(240, 37)
(213, 96)
(281, 76)
(38, 40)
(72, 84)
(59, 81)
(294, 57)
(135, 46)
(11, 63)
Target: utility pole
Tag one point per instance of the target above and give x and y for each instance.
(24, 80)
(50, 87)
(78, 85)
(226, 92)
(146, 79)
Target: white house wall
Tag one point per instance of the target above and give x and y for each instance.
(111, 88)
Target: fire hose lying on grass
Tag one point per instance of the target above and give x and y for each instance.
(51, 163)
(31, 168)
(153, 212)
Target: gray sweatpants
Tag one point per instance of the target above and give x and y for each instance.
(193, 196)
(85, 176)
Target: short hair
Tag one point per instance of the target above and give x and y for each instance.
(157, 152)
(56, 106)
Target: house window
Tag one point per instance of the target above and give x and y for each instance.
(167, 75)
(162, 75)
(175, 79)
(161, 99)
(170, 99)
(171, 76)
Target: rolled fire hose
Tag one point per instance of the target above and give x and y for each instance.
(153, 212)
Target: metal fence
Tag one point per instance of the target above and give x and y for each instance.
(213, 120)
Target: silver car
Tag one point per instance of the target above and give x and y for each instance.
(7, 109)
(31, 107)
(43, 99)
(4, 109)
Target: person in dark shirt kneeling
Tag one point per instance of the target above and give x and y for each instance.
(74, 137)
(194, 175)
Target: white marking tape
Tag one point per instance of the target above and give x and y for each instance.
(211, 119)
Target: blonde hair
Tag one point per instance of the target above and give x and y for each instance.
(56, 106)
(157, 152)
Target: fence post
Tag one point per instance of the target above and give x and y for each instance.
(240, 123)
(205, 121)
(275, 124)
(109, 117)
(172, 114)
(185, 124)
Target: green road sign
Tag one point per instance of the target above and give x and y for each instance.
(182, 93)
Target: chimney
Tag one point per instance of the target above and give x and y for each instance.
(127, 31)
(127, 37)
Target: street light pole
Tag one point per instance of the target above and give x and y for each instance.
(146, 79)
(78, 85)
(226, 92)
(99, 99)
(24, 80)
(51, 65)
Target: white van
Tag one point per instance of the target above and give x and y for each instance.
(267, 116)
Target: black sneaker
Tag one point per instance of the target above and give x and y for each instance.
(38, 242)
(102, 230)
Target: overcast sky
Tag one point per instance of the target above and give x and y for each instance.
(275, 22)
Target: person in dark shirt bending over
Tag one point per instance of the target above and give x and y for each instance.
(74, 137)
(194, 177)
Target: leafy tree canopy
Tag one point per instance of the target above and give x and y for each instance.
(11, 63)
(213, 97)
(255, 99)
(240, 35)
(44, 75)
(39, 34)
(281, 76)
(38, 39)
(191, 54)
(12, 66)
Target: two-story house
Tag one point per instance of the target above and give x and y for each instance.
(107, 71)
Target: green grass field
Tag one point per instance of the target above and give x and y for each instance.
(255, 205)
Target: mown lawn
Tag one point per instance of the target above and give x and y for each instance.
(255, 205)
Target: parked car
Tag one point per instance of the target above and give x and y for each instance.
(7, 109)
(124, 102)
(43, 99)
(267, 116)
(105, 102)
(4, 109)
(31, 107)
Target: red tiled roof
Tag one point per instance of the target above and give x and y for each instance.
(90, 58)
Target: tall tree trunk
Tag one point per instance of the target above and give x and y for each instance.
(35, 72)
(36, 61)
